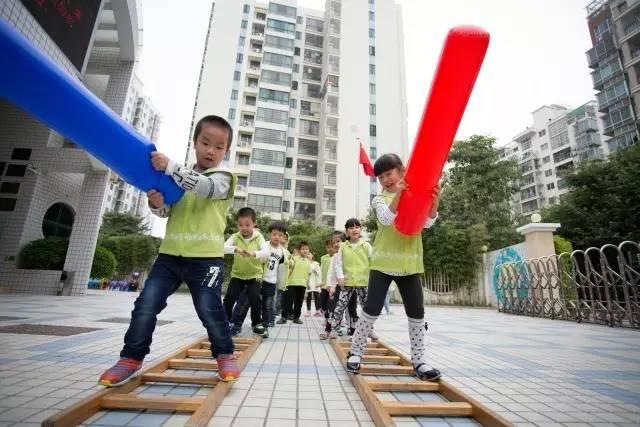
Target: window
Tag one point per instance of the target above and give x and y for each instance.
(373, 153)
(311, 90)
(529, 206)
(243, 159)
(372, 33)
(281, 26)
(238, 202)
(292, 123)
(282, 10)
(298, 35)
(273, 116)
(311, 109)
(267, 157)
(312, 56)
(270, 136)
(542, 133)
(300, 19)
(291, 142)
(277, 59)
(9, 187)
(548, 172)
(372, 69)
(278, 42)
(7, 204)
(275, 96)
(372, 130)
(262, 203)
(236, 75)
(242, 181)
(276, 77)
(552, 200)
(544, 147)
(526, 145)
(234, 94)
(16, 170)
(296, 51)
(288, 162)
(294, 85)
(286, 206)
(21, 154)
(551, 186)
(372, 88)
(372, 109)
(232, 113)
(307, 168)
(243, 24)
(313, 40)
(287, 184)
(527, 180)
(528, 193)
(58, 221)
(315, 25)
(372, 51)
(304, 210)
(246, 8)
(239, 58)
(306, 189)
(266, 180)
(308, 147)
(312, 73)
(296, 68)
(372, 16)
(546, 159)
(308, 127)
(293, 103)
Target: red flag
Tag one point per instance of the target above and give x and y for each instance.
(365, 162)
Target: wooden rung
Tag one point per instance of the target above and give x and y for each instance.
(193, 363)
(451, 409)
(386, 369)
(180, 379)
(348, 344)
(201, 352)
(238, 347)
(393, 360)
(380, 351)
(163, 403)
(403, 386)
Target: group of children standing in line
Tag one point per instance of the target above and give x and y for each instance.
(265, 273)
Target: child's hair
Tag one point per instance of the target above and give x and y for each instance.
(303, 243)
(247, 213)
(329, 240)
(343, 237)
(279, 226)
(214, 121)
(386, 162)
(352, 222)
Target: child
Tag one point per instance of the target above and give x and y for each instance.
(314, 287)
(281, 284)
(275, 263)
(297, 284)
(250, 249)
(398, 258)
(352, 271)
(332, 243)
(202, 212)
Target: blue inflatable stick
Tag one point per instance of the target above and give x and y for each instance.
(35, 83)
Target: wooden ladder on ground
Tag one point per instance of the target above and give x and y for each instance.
(196, 355)
(379, 360)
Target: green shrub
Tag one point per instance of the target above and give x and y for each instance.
(44, 254)
(104, 263)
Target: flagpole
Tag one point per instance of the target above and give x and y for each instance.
(358, 181)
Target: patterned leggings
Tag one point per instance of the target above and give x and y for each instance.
(345, 296)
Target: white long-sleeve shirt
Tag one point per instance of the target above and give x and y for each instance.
(263, 253)
(386, 217)
(215, 186)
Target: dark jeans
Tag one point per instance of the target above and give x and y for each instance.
(204, 277)
(253, 292)
(268, 293)
(324, 302)
(279, 303)
(240, 310)
(293, 299)
(410, 288)
(316, 300)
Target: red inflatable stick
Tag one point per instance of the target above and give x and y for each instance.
(459, 65)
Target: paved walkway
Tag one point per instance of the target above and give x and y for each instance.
(535, 372)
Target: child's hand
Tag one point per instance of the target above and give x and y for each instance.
(340, 281)
(251, 254)
(436, 201)
(159, 161)
(155, 199)
(401, 185)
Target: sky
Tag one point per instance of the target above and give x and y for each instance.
(536, 57)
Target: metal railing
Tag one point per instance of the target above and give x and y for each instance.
(598, 285)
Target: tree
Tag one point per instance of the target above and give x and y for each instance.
(132, 252)
(477, 190)
(104, 263)
(603, 205)
(120, 224)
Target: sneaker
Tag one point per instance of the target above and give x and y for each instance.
(266, 333)
(333, 335)
(272, 324)
(425, 373)
(290, 317)
(307, 314)
(235, 331)
(324, 335)
(281, 321)
(374, 337)
(353, 363)
(228, 367)
(258, 329)
(340, 332)
(120, 373)
(297, 321)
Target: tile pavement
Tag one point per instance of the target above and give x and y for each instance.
(535, 372)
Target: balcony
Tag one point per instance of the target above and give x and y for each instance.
(330, 180)
(329, 205)
(305, 194)
(601, 50)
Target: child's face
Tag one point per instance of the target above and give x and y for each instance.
(210, 146)
(353, 232)
(277, 237)
(390, 178)
(310, 256)
(245, 226)
(335, 245)
(304, 251)
(296, 251)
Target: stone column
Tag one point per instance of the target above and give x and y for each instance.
(539, 243)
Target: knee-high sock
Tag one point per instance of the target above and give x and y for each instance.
(417, 339)
(363, 328)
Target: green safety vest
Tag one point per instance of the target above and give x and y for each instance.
(246, 268)
(394, 252)
(300, 274)
(355, 263)
(325, 262)
(196, 224)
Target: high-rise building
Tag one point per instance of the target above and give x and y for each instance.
(546, 151)
(301, 88)
(140, 113)
(614, 26)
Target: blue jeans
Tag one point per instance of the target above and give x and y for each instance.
(204, 277)
(268, 293)
(240, 310)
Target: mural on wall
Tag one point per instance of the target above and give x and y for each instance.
(515, 253)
